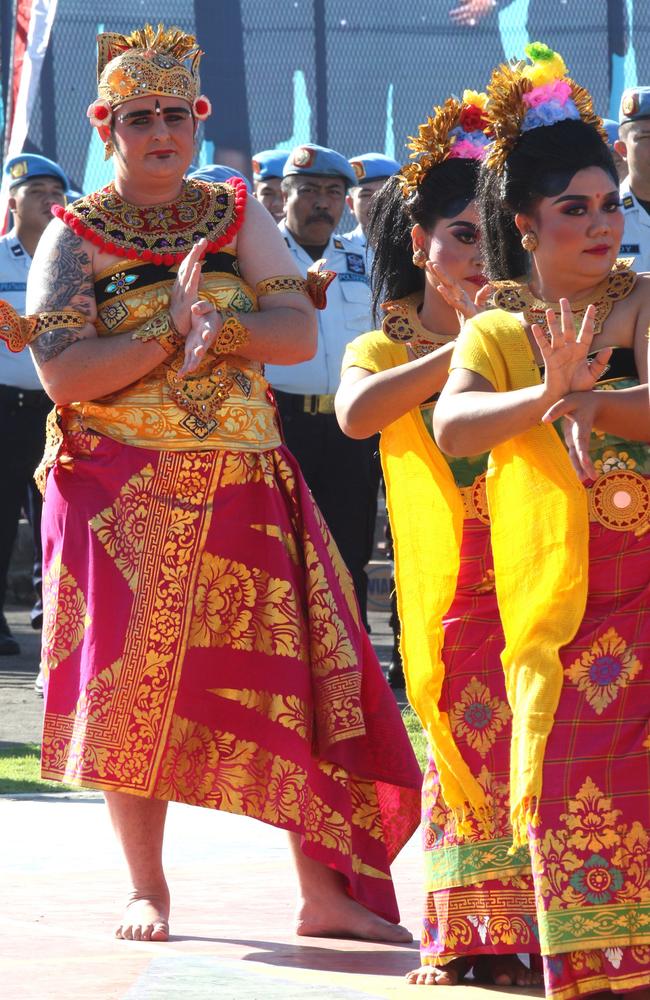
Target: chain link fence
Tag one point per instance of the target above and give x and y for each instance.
(357, 77)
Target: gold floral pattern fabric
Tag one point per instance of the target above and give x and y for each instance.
(66, 616)
(601, 672)
(223, 666)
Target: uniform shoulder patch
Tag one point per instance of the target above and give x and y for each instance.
(628, 201)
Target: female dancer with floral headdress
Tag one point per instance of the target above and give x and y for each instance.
(572, 562)
(479, 906)
(202, 641)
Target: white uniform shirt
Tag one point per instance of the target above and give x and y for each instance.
(636, 235)
(346, 316)
(15, 369)
(358, 236)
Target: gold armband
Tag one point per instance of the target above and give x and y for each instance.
(232, 336)
(281, 283)
(160, 328)
(315, 285)
(19, 331)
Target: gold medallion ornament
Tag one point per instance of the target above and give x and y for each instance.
(402, 325)
(516, 297)
(19, 331)
(620, 500)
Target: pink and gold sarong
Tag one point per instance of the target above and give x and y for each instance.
(202, 644)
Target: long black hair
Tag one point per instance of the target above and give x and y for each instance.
(446, 190)
(541, 165)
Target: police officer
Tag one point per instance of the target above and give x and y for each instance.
(267, 180)
(371, 170)
(342, 474)
(633, 145)
(35, 184)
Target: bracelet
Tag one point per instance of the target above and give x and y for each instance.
(19, 331)
(162, 329)
(281, 283)
(232, 336)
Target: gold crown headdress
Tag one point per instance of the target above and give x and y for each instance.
(162, 62)
(456, 130)
(523, 96)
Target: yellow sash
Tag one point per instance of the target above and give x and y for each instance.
(540, 544)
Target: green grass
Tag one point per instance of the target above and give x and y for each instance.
(20, 770)
(416, 735)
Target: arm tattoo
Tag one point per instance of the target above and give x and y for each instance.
(50, 345)
(60, 278)
(65, 275)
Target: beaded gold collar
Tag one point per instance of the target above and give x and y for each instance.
(402, 325)
(163, 234)
(516, 297)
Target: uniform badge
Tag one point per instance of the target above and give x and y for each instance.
(629, 248)
(19, 169)
(358, 168)
(628, 201)
(356, 263)
(256, 166)
(303, 157)
(630, 104)
(338, 244)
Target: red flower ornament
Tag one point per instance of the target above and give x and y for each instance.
(202, 108)
(99, 113)
(472, 118)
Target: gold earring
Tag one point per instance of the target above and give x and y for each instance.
(529, 241)
(420, 258)
(109, 149)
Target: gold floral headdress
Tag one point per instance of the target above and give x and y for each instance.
(456, 130)
(523, 96)
(162, 62)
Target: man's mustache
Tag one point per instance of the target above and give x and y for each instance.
(320, 217)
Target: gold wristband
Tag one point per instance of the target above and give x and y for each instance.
(232, 336)
(19, 331)
(160, 328)
(281, 283)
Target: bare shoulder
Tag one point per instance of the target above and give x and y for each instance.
(61, 275)
(261, 248)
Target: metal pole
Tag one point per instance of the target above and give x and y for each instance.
(320, 52)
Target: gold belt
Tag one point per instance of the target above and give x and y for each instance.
(318, 404)
(619, 500)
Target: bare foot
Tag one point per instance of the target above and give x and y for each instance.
(146, 917)
(444, 975)
(339, 916)
(506, 970)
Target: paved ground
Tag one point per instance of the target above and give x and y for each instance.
(232, 888)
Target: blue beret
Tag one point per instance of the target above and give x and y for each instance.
(373, 166)
(310, 159)
(268, 163)
(28, 165)
(218, 173)
(611, 127)
(635, 104)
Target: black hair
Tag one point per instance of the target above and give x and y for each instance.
(446, 191)
(541, 165)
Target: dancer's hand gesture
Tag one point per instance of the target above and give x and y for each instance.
(565, 355)
(456, 296)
